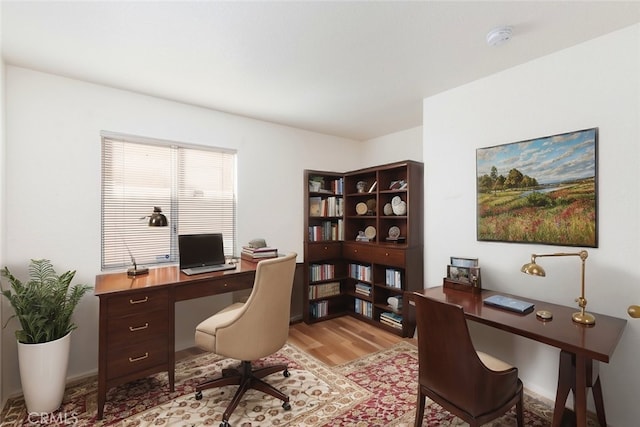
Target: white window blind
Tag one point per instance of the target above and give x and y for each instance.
(194, 187)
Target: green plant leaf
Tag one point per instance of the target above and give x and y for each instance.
(45, 305)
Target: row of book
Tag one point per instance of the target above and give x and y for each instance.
(328, 230)
(321, 272)
(364, 308)
(363, 289)
(360, 272)
(256, 254)
(319, 309)
(392, 319)
(327, 206)
(393, 278)
(324, 290)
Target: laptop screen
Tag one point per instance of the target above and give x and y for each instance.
(199, 250)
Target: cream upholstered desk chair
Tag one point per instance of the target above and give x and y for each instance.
(250, 331)
(471, 385)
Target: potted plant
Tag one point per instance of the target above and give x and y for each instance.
(44, 307)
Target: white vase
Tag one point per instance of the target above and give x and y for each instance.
(43, 373)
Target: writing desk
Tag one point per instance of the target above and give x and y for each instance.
(581, 346)
(137, 319)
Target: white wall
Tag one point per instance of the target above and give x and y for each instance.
(2, 204)
(398, 146)
(593, 84)
(53, 129)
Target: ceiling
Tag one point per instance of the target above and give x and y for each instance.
(353, 69)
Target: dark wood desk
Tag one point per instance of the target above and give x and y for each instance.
(581, 346)
(137, 319)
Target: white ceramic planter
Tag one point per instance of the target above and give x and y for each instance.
(43, 373)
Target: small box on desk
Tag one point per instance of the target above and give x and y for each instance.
(461, 286)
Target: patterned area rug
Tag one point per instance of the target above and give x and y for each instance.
(376, 390)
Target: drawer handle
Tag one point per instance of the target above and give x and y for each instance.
(140, 301)
(138, 328)
(386, 254)
(136, 359)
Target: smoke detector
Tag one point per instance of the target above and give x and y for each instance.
(499, 36)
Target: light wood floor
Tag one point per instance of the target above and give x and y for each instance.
(334, 341)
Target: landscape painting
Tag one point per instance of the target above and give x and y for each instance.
(542, 190)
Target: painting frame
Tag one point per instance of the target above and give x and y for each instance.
(539, 191)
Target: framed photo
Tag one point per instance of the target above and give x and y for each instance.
(474, 277)
(463, 262)
(459, 274)
(542, 190)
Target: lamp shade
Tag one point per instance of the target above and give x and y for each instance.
(157, 218)
(533, 269)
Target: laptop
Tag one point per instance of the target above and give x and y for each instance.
(202, 253)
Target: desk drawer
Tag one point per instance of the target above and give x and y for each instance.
(137, 327)
(137, 357)
(132, 303)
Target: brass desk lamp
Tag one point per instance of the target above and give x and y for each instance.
(536, 270)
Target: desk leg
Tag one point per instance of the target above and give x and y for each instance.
(566, 375)
(576, 374)
(580, 392)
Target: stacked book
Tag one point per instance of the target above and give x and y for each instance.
(363, 289)
(256, 254)
(392, 319)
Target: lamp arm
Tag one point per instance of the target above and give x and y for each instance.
(581, 300)
(582, 254)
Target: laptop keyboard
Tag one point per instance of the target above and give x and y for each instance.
(207, 269)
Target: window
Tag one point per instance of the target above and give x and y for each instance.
(194, 187)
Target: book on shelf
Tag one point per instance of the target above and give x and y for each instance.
(315, 208)
(391, 319)
(319, 309)
(364, 308)
(324, 290)
(363, 289)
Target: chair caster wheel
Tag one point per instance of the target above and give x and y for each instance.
(199, 395)
(225, 424)
(286, 406)
(286, 373)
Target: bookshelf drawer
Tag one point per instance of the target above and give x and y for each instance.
(390, 257)
(322, 251)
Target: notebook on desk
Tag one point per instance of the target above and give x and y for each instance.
(509, 303)
(202, 253)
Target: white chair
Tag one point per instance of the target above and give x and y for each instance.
(250, 331)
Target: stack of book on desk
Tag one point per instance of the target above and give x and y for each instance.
(256, 254)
